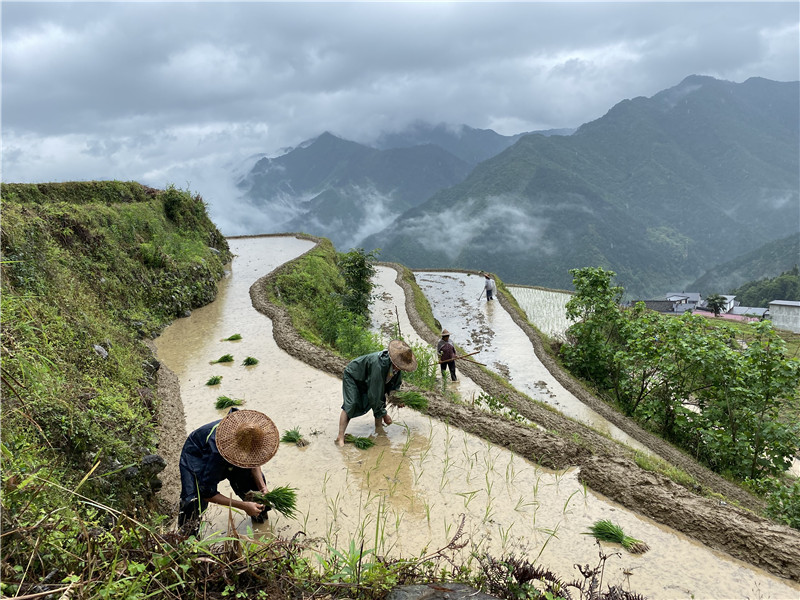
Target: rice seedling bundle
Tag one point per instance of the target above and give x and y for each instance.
(225, 358)
(293, 436)
(234, 337)
(362, 443)
(410, 399)
(215, 380)
(606, 531)
(250, 361)
(226, 402)
(281, 498)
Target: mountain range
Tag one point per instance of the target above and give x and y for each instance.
(659, 189)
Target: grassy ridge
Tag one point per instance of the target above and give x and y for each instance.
(89, 272)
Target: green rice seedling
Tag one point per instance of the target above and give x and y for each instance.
(233, 338)
(468, 496)
(606, 531)
(281, 498)
(215, 380)
(225, 358)
(566, 504)
(362, 443)
(410, 399)
(226, 402)
(293, 436)
(250, 361)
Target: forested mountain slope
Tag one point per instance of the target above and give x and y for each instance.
(657, 190)
(345, 191)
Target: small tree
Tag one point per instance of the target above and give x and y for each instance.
(596, 334)
(716, 303)
(357, 268)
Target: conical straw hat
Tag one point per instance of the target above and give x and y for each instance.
(402, 356)
(247, 438)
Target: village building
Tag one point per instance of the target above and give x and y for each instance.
(785, 314)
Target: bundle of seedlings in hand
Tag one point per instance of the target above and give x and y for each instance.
(282, 498)
(225, 358)
(293, 436)
(250, 361)
(606, 531)
(225, 402)
(408, 398)
(215, 380)
(233, 338)
(362, 443)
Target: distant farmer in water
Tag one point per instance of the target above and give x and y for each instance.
(367, 379)
(489, 286)
(233, 449)
(447, 354)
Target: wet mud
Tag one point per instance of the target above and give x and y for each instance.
(400, 460)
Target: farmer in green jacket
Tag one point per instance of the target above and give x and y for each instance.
(367, 379)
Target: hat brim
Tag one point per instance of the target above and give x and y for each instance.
(231, 451)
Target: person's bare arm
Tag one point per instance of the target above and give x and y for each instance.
(251, 508)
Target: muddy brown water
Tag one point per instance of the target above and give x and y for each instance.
(405, 495)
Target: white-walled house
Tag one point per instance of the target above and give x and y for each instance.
(785, 314)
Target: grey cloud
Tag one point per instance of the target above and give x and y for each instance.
(140, 90)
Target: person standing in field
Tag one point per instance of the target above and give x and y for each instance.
(447, 355)
(366, 381)
(489, 286)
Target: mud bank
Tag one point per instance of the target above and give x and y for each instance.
(605, 466)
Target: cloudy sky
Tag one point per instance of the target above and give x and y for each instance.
(184, 93)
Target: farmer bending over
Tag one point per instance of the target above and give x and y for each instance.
(233, 449)
(368, 378)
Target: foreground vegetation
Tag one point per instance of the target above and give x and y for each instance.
(727, 395)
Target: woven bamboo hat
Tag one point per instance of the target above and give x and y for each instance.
(247, 438)
(402, 356)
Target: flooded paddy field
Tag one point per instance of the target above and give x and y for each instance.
(480, 325)
(546, 309)
(405, 495)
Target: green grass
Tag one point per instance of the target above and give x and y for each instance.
(250, 361)
(233, 338)
(214, 380)
(658, 465)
